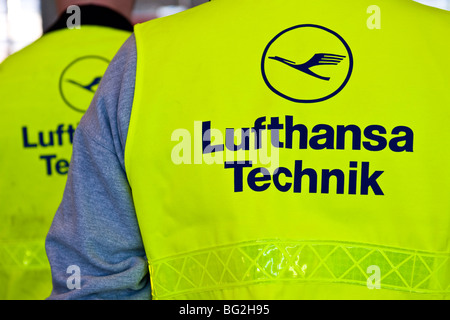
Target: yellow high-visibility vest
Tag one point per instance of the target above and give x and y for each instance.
(294, 150)
(44, 91)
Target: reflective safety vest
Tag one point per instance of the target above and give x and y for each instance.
(294, 150)
(44, 91)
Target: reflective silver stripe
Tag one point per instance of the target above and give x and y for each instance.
(24, 255)
(271, 261)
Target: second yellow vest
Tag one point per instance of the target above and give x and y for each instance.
(45, 90)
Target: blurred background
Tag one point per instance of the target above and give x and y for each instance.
(23, 21)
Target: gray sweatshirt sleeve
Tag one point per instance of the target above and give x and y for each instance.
(94, 245)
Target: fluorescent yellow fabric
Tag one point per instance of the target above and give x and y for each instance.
(44, 92)
(363, 150)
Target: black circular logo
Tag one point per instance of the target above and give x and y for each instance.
(307, 64)
(80, 79)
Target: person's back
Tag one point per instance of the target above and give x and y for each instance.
(358, 117)
(45, 90)
(352, 100)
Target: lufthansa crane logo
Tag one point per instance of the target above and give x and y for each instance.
(80, 79)
(307, 64)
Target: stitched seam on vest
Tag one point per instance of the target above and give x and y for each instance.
(300, 261)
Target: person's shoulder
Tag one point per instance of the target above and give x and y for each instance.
(29, 53)
(179, 18)
(17, 59)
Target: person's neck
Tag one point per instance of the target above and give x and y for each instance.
(96, 16)
(124, 8)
